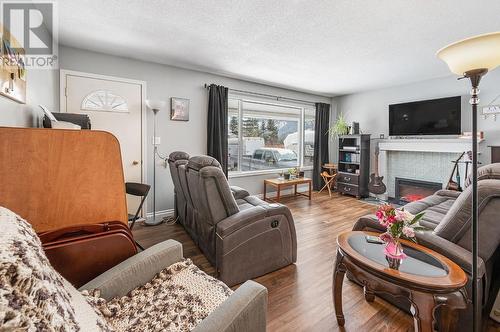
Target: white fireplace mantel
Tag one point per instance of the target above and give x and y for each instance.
(427, 145)
(424, 145)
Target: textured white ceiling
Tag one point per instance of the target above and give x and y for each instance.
(328, 47)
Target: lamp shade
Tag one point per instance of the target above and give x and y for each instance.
(479, 52)
(156, 104)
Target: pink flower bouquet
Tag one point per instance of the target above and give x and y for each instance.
(399, 224)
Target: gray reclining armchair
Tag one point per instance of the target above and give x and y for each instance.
(184, 210)
(243, 237)
(175, 159)
(448, 219)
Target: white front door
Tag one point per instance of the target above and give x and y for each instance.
(115, 106)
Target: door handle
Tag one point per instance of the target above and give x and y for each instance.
(135, 162)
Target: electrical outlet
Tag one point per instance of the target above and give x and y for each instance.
(157, 140)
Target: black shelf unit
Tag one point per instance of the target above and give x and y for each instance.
(354, 165)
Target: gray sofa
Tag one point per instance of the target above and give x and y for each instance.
(244, 311)
(241, 235)
(448, 219)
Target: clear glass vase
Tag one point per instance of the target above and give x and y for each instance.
(394, 254)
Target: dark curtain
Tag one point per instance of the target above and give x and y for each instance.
(320, 142)
(217, 124)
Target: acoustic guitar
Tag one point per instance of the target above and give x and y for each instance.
(455, 185)
(376, 185)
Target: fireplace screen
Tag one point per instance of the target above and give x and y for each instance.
(408, 190)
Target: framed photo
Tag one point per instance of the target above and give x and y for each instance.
(179, 109)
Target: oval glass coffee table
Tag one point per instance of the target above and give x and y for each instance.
(427, 279)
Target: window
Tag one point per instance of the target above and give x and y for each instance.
(104, 101)
(266, 136)
(309, 123)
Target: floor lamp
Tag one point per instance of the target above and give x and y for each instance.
(472, 58)
(155, 106)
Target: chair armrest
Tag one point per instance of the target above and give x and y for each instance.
(238, 193)
(244, 311)
(244, 217)
(368, 223)
(448, 193)
(239, 220)
(460, 256)
(137, 270)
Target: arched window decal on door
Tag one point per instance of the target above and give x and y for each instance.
(104, 101)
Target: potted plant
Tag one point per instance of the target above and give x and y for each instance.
(339, 127)
(400, 224)
(291, 173)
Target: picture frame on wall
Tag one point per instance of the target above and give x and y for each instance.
(179, 109)
(12, 71)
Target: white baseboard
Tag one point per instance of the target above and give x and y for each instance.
(162, 213)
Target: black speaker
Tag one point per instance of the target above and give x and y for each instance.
(355, 128)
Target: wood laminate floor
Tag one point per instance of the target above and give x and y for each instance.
(300, 295)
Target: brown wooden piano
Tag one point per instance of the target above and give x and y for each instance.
(69, 185)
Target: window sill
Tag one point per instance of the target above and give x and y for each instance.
(277, 171)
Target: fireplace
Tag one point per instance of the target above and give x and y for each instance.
(409, 190)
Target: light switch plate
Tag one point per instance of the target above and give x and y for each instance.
(157, 140)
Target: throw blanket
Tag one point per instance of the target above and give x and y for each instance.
(33, 296)
(177, 299)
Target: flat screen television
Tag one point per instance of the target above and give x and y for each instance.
(428, 117)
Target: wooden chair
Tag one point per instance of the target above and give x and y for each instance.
(329, 181)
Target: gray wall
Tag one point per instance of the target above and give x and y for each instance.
(370, 108)
(164, 82)
(40, 89)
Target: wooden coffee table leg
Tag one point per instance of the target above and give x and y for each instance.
(295, 191)
(422, 309)
(451, 306)
(310, 189)
(449, 319)
(279, 193)
(338, 280)
(265, 190)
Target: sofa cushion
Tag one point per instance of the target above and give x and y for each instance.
(491, 171)
(435, 206)
(177, 299)
(33, 296)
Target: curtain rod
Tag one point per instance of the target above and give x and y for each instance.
(278, 98)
